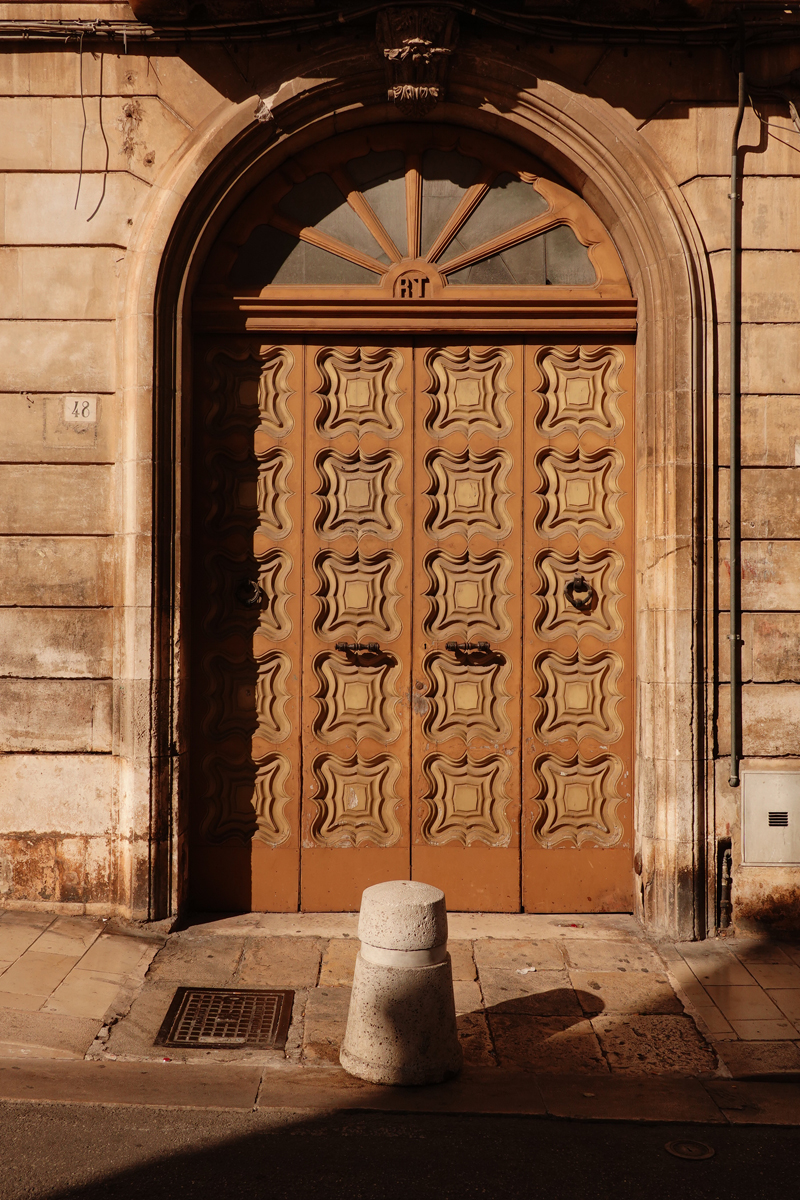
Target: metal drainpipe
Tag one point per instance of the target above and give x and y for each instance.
(735, 636)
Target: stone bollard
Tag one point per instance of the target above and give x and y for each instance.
(401, 1027)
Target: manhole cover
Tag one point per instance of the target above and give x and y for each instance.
(222, 1018)
(687, 1149)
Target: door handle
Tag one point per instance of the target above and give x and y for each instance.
(250, 593)
(355, 647)
(579, 593)
(466, 647)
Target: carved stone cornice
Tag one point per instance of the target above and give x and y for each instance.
(417, 44)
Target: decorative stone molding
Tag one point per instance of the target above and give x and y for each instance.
(417, 44)
(637, 199)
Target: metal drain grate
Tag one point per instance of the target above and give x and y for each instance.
(223, 1018)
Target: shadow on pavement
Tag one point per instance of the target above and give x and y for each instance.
(67, 1153)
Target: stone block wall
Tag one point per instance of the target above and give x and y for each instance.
(83, 141)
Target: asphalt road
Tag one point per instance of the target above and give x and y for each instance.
(97, 1153)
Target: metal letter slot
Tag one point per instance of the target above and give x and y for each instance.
(579, 593)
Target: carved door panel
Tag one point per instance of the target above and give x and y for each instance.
(411, 616)
(357, 632)
(246, 619)
(467, 627)
(578, 707)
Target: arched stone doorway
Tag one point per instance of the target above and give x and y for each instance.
(412, 535)
(612, 166)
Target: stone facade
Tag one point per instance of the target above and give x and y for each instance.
(112, 156)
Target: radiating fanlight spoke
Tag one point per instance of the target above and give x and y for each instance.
(364, 211)
(325, 242)
(504, 241)
(479, 222)
(413, 203)
(464, 211)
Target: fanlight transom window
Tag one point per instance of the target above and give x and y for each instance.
(356, 210)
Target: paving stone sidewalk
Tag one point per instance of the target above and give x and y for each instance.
(554, 996)
(63, 979)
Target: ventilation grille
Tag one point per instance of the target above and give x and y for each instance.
(778, 820)
(226, 1018)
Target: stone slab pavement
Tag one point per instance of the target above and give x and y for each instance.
(576, 1017)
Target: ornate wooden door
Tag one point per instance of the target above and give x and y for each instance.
(410, 601)
(413, 622)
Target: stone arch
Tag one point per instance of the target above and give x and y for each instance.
(620, 176)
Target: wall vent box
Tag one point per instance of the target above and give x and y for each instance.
(771, 818)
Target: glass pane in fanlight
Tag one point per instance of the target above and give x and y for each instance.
(380, 177)
(271, 256)
(317, 203)
(555, 257)
(446, 176)
(568, 260)
(508, 203)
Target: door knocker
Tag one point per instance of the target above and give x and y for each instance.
(250, 593)
(579, 593)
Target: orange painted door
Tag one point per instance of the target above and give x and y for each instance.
(411, 619)
(356, 655)
(468, 663)
(578, 706)
(245, 615)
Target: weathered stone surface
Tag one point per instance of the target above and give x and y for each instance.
(68, 283)
(693, 139)
(26, 138)
(624, 991)
(467, 994)
(770, 718)
(325, 1023)
(210, 962)
(11, 273)
(141, 130)
(759, 1058)
(280, 962)
(55, 643)
(656, 1045)
(770, 503)
(476, 1043)
(776, 647)
(403, 915)
(769, 214)
(542, 993)
(58, 868)
(40, 209)
(510, 955)
(611, 955)
(462, 959)
(339, 963)
(58, 793)
(48, 428)
(770, 431)
(769, 293)
(552, 1045)
(770, 358)
(641, 84)
(401, 1026)
(55, 714)
(46, 1035)
(47, 356)
(43, 498)
(64, 571)
(770, 575)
